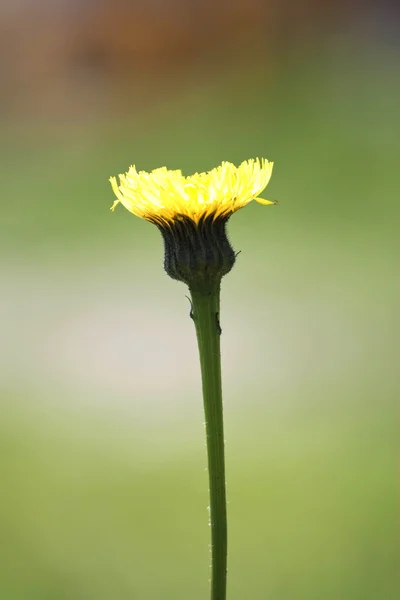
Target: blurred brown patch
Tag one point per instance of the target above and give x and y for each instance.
(95, 54)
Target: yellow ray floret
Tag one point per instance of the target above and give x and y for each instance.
(163, 194)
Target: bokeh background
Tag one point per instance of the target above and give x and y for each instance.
(102, 462)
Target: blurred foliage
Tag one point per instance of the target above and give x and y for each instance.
(104, 504)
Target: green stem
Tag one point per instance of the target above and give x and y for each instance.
(205, 313)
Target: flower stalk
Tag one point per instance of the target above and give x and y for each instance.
(205, 313)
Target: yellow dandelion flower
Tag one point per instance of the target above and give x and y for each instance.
(162, 195)
(192, 213)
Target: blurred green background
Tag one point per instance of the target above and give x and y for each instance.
(102, 462)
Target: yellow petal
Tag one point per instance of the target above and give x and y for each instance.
(265, 202)
(114, 184)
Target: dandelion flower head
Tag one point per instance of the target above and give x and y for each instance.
(163, 195)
